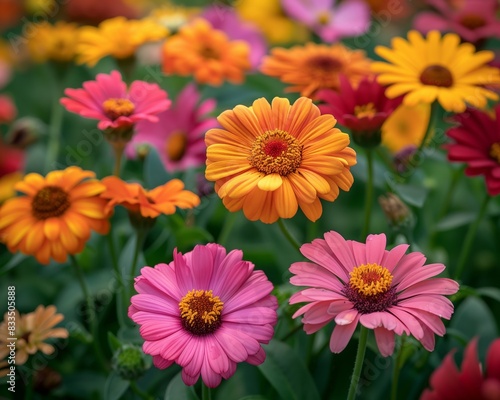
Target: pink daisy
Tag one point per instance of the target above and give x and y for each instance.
(179, 135)
(206, 311)
(387, 291)
(108, 100)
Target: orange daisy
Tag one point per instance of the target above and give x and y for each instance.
(270, 159)
(314, 66)
(148, 203)
(206, 53)
(55, 215)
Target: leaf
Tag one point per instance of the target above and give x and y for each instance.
(411, 194)
(15, 260)
(115, 387)
(178, 390)
(491, 292)
(188, 237)
(474, 318)
(254, 397)
(114, 343)
(455, 220)
(287, 373)
(154, 170)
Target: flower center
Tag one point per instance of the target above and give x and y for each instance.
(276, 152)
(49, 202)
(369, 288)
(366, 110)
(495, 151)
(472, 21)
(323, 17)
(200, 312)
(325, 63)
(436, 75)
(176, 145)
(114, 108)
(209, 52)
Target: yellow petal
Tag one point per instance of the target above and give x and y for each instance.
(270, 182)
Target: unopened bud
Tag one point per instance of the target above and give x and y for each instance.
(129, 361)
(396, 212)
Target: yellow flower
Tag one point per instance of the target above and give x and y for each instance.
(437, 68)
(173, 16)
(53, 42)
(7, 184)
(270, 159)
(117, 37)
(42, 6)
(55, 216)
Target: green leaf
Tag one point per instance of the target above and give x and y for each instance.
(455, 220)
(114, 343)
(411, 194)
(177, 390)
(254, 397)
(491, 292)
(188, 237)
(15, 260)
(474, 318)
(115, 387)
(287, 373)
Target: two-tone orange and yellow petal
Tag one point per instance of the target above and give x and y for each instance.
(55, 216)
(271, 159)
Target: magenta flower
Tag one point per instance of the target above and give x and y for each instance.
(206, 311)
(448, 382)
(179, 135)
(328, 20)
(387, 291)
(108, 100)
(362, 109)
(472, 20)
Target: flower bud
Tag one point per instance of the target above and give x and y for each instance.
(129, 361)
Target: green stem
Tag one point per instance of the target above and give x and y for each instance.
(397, 369)
(139, 392)
(455, 178)
(91, 314)
(368, 194)
(206, 393)
(288, 235)
(227, 227)
(358, 364)
(121, 294)
(469, 238)
(118, 151)
(430, 126)
(141, 236)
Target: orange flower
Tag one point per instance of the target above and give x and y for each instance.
(149, 203)
(316, 66)
(55, 216)
(271, 159)
(206, 53)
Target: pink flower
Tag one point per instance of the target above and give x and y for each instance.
(179, 135)
(387, 291)
(472, 20)
(8, 109)
(329, 20)
(206, 311)
(108, 100)
(448, 382)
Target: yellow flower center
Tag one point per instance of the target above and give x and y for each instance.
(200, 312)
(472, 21)
(436, 75)
(325, 63)
(175, 147)
(276, 152)
(323, 18)
(370, 279)
(51, 201)
(495, 151)
(366, 110)
(115, 108)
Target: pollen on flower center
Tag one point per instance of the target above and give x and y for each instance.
(436, 75)
(276, 152)
(51, 201)
(365, 110)
(200, 312)
(370, 279)
(175, 147)
(472, 21)
(495, 151)
(115, 108)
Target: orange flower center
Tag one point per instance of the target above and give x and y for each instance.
(472, 21)
(495, 151)
(209, 53)
(49, 202)
(325, 63)
(366, 110)
(176, 145)
(201, 312)
(115, 108)
(436, 75)
(276, 152)
(370, 279)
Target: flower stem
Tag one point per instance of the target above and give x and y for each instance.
(469, 238)
(206, 393)
(118, 148)
(288, 235)
(138, 391)
(430, 126)
(358, 364)
(227, 228)
(120, 302)
(397, 369)
(140, 237)
(368, 194)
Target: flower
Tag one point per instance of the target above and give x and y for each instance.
(206, 53)
(205, 311)
(387, 291)
(11, 164)
(95, 11)
(53, 42)
(330, 21)
(108, 100)
(55, 215)
(435, 68)
(447, 382)
(117, 37)
(179, 133)
(8, 109)
(173, 15)
(31, 331)
(148, 203)
(363, 110)
(477, 143)
(315, 66)
(472, 20)
(270, 159)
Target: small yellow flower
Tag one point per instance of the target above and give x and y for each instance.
(173, 16)
(53, 42)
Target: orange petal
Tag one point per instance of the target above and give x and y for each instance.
(52, 228)
(312, 210)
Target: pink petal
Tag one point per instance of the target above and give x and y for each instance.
(210, 378)
(375, 248)
(341, 335)
(408, 263)
(174, 344)
(257, 358)
(471, 376)
(161, 363)
(346, 317)
(323, 258)
(409, 320)
(385, 341)
(159, 327)
(216, 355)
(202, 263)
(155, 304)
(392, 257)
(252, 315)
(233, 348)
(445, 381)
(493, 360)
(434, 304)
(437, 286)
(183, 274)
(383, 320)
(420, 274)
(309, 274)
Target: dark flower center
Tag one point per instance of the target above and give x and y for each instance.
(115, 108)
(325, 63)
(210, 53)
(472, 21)
(49, 202)
(176, 146)
(436, 75)
(495, 152)
(201, 312)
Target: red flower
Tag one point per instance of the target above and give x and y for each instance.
(477, 143)
(448, 382)
(8, 109)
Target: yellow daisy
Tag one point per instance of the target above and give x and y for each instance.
(437, 68)
(54, 42)
(271, 159)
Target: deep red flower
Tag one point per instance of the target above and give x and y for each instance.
(477, 143)
(447, 382)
